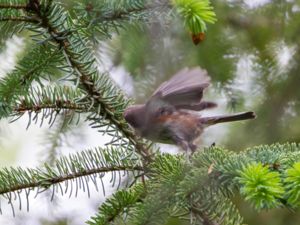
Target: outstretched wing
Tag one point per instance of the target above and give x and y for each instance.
(184, 88)
(183, 91)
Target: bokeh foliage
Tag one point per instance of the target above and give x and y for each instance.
(152, 42)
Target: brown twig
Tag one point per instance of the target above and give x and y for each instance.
(63, 105)
(9, 6)
(19, 19)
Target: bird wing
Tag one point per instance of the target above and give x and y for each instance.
(183, 91)
(184, 88)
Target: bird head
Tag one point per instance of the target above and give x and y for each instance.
(135, 116)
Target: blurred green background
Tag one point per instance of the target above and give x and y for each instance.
(252, 55)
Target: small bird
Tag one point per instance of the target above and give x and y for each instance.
(170, 114)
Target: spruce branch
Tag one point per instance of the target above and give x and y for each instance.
(120, 10)
(51, 97)
(118, 205)
(201, 186)
(83, 167)
(205, 201)
(83, 67)
(165, 173)
(45, 183)
(19, 19)
(49, 101)
(205, 185)
(195, 14)
(205, 218)
(213, 207)
(38, 63)
(102, 17)
(12, 6)
(292, 183)
(258, 173)
(57, 106)
(176, 187)
(13, 18)
(260, 186)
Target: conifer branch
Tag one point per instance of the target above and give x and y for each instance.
(125, 13)
(19, 19)
(49, 102)
(88, 83)
(76, 166)
(59, 179)
(38, 63)
(201, 186)
(258, 173)
(118, 205)
(11, 6)
(206, 220)
(101, 18)
(61, 105)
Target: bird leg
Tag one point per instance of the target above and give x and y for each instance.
(181, 143)
(189, 148)
(192, 147)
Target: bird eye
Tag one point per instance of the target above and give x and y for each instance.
(164, 111)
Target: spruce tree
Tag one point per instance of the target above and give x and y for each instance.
(57, 77)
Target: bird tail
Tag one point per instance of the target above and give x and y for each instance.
(230, 118)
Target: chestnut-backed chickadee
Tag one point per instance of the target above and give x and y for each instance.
(169, 116)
